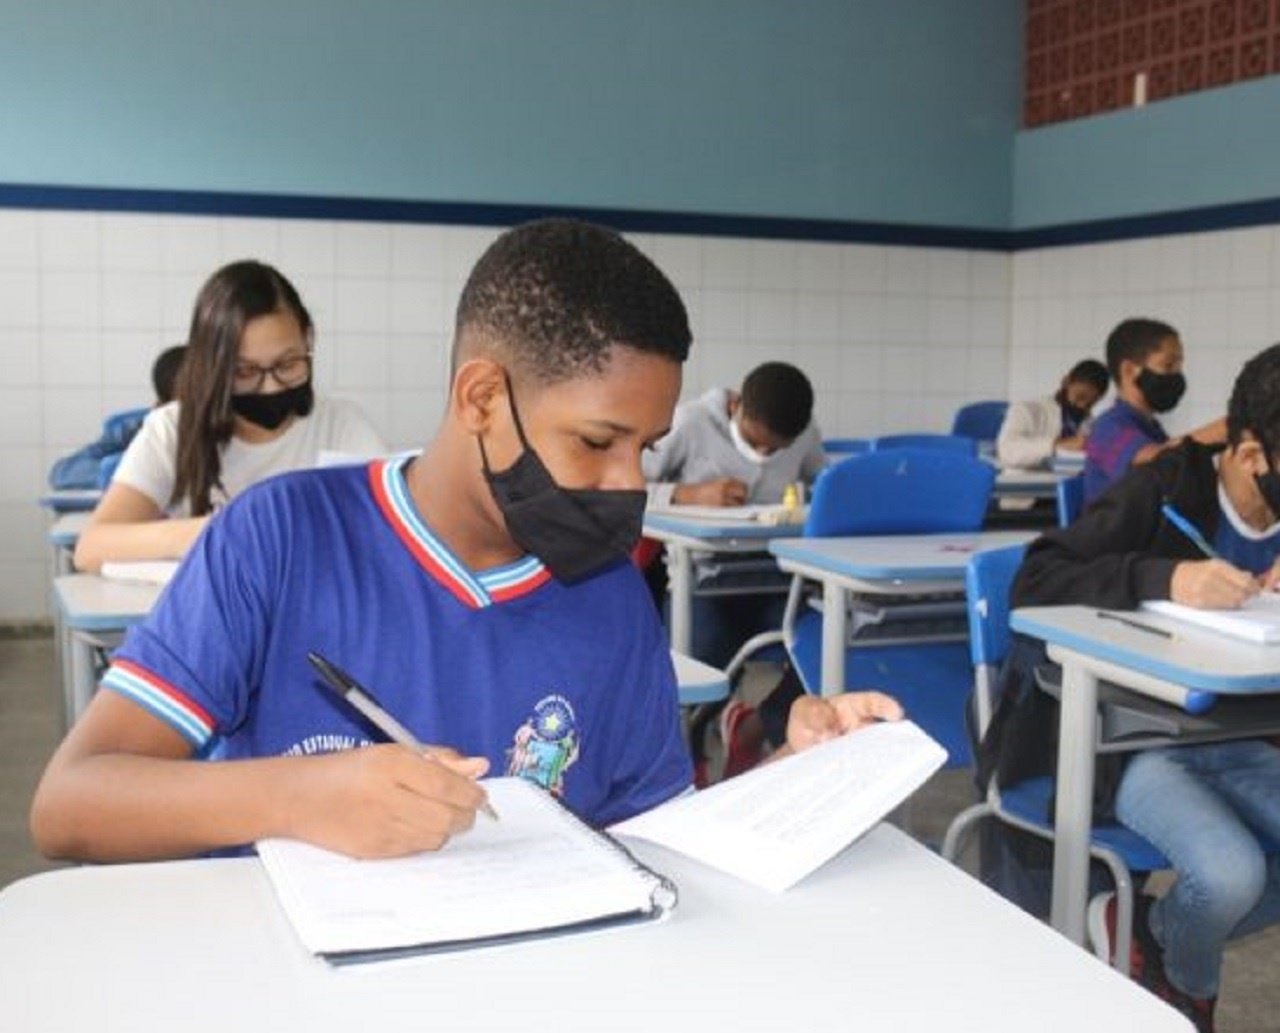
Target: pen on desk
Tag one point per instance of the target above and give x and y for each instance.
(360, 698)
(1190, 530)
(1130, 622)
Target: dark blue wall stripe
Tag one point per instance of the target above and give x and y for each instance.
(290, 206)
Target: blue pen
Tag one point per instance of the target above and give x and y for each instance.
(1190, 530)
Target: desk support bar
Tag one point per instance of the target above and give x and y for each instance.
(1079, 716)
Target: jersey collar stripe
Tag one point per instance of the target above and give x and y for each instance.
(156, 695)
(378, 478)
(398, 492)
(540, 578)
(513, 574)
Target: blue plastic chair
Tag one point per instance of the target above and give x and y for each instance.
(1026, 806)
(899, 492)
(979, 420)
(936, 442)
(1070, 499)
(107, 468)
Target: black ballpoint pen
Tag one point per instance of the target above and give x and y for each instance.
(1130, 622)
(362, 700)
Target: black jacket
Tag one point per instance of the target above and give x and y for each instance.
(1119, 552)
(1122, 551)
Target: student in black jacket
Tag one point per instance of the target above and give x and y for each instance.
(1205, 806)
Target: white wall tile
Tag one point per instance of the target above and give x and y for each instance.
(19, 357)
(361, 362)
(770, 316)
(19, 239)
(1250, 319)
(419, 361)
(191, 243)
(249, 239)
(906, 270)
(724, 313)
(178, 292)
(363, 249)
(726, 262)
(772, 265)
(989, 275)
(70, 299)
(817, 316)
(130, 241)
(69, 240)
(1251, 257)
(127, 356)
(864, 268)
(73, 417)
(463, 246)
(948, 321)
(132, 300)
(414, 418)
(819, 267)
(417, 306)
(307, 247)
(25, 592)
(70, 358)
(21, 418)
(22, 530)
(948, 272)
(418, 251)
(19, 298)
(22, 475)
(362, 306)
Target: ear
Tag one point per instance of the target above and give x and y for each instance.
(1250, 455)
(478, 394)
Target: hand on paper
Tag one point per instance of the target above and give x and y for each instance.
(387, 801)
(723, 491)
(1270, 581)
(815, 719)
(1212, 585)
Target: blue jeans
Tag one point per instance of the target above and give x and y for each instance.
(1204, 808)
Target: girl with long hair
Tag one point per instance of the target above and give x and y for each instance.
(245, 410)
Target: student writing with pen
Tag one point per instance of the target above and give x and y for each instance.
(1200, 526)
(482, 590)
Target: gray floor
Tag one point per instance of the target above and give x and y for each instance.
(30, 724)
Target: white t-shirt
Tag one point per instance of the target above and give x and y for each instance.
(149, 464)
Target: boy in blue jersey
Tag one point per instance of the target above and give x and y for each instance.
(1144, 358)
(1213, 809)
(481, 590)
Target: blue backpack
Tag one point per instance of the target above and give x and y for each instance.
(93, 465)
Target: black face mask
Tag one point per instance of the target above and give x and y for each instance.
(1072, 415)
(269, 411)
(575, 532)
(1161, 390)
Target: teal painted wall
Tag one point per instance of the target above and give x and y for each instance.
(1216, 147)
(876, 110)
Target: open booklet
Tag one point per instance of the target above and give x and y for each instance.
(775, 824)
(537, 871)
(1258, 620)
(149, 572)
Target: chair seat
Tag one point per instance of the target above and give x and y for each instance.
(1029, 801)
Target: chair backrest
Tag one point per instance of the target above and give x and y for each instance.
(1070, 498)
(937, 442)
(847, 446)
(902, 491)
(987, 581)
(979, 420)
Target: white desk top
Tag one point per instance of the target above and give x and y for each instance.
(698, 682)
(905, 557)
(886, 937)
(93, 603)
(1029, 482)
(66, 530)
(1194, 657)
(668, 524)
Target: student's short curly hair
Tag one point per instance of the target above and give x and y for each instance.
(1255, 401)
(779, 396)
(1135, 340)
(554, 296)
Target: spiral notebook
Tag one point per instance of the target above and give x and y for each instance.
(538, 871)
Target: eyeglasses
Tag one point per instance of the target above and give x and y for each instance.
(247, 378)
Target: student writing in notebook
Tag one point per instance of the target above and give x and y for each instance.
(1034, 431)
(246, 409)
(1145, 358)
(482, 590)
(1208, 808)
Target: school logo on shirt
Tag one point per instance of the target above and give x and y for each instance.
(546, 745)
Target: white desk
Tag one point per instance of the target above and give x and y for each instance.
(62, 537)
(698, 682)
(888, 565)
(1038, 484)
(1185, 671)
(885, 937)
(685, 536)
(92, 610)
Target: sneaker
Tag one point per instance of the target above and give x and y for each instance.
(1101, 924)
(741, 753)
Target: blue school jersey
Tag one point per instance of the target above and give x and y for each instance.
(1239, 544)
(569, 686)
(1116, 437)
